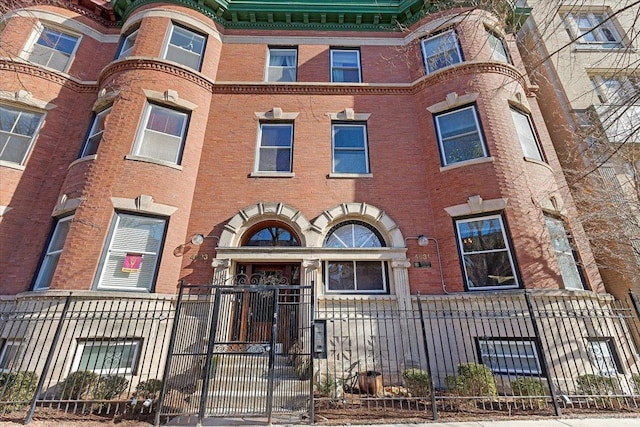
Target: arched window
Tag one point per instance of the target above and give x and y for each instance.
(355, 275)
(272, 235)
(353, 235)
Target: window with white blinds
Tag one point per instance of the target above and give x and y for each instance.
(131, 257)
(162, 137)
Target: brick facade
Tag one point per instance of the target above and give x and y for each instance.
(214, 179)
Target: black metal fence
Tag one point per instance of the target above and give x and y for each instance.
(241, 350)
(82, 355)
(384, 357)
(539, 352)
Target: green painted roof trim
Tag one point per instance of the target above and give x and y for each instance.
(326, 15)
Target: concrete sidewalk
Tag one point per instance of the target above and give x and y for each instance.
(542, 422)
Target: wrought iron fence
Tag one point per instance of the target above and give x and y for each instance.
(426, 357)
(82, 355)
(237, 351)
(537, 352)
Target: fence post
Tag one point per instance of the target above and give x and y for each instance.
(47, 363)
(312, 306)
(213, 329)
(635, 302)
(167, 363)
(434, 407)
(272, 352)
(543, 357)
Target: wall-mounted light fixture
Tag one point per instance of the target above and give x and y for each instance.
(198, 239)
(424, 241)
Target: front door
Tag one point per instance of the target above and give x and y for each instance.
(253, 311)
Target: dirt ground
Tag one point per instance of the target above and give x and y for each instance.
(324, 416)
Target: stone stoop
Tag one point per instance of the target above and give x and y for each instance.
(240, 385)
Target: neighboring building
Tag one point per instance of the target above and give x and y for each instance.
(379, 150)
(584, 57)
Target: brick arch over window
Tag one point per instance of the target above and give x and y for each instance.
(247, 218)
(356, 211)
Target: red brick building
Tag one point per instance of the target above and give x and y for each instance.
(391, 154)
(316, 145)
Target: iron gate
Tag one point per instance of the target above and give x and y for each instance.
(240, 349)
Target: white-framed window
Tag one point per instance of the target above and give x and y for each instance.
(127, 44)
(95, 133)
(498, 49)
(185, 47)
(9, 352)
(282, 64)
(345, 66)
(53, 48)
(564, 253)
(54, 249)
(132, 253)
(603, 356)
(107, 356)
(593, 29)
(162, 135)
(354, 276)
(526, 135)
(617, 89)
(510, 356)
(349, 145)
(486, 255)
(275, 147)
(18, 130)
(459, 136)
(441, 50)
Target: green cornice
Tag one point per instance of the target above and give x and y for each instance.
(327, 15)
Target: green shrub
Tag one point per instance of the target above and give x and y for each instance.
(78, 385)
(417, 382)
(597, 385)
(148, 389)
(529, 387)
(327, 386)
(473, 379)
(109, 387)
(635, 380)
(17, 389)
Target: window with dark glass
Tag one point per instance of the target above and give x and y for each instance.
(272, 236)
(127, 44)
(95, 133)
(54, 250)
(459, 135)
(486, 255)
(345, 66)
(350, 151)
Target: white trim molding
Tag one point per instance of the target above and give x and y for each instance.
(475, 204)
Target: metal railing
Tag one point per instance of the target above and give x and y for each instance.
(387, 358)
(82, 355)
(527, 353)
